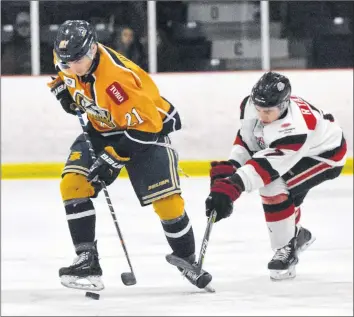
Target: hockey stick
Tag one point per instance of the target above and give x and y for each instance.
(176, 261)
(205, 242)
(128, 278)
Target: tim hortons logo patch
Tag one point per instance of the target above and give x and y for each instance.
(69, 82)
(116, 92)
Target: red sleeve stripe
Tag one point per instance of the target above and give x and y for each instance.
(336, 154)
(293, 147)
(238, 141)
(291, 142)
(340, 154)
(280, 215)
(264, 170)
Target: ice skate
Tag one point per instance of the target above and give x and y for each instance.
(189, 269)
(282, 265)
(304, 239)
(85, 272)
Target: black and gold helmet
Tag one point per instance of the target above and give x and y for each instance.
(74, 40)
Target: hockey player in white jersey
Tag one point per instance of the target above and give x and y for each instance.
(285, 147)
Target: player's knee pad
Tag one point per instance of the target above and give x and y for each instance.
(273, 200)
(274, 188)
(74, 186)
(170, 207)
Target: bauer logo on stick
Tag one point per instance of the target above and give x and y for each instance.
(116, 92)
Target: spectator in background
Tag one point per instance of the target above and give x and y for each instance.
(16, 58)
(168, 59)
(125, 43)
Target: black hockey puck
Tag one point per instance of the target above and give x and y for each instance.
(92, 295)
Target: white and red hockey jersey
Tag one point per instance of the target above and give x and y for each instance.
(265, 152)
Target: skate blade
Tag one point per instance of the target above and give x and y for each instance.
(281, 275)
(89, 283)
(209, 289)
(306, 245)
(176, 261)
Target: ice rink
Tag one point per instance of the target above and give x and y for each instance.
(35, 242)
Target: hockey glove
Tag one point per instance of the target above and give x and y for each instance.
(107, 166)
(221, 169)
(60, 91)
(222, 195)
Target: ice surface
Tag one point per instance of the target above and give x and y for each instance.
(35, 242)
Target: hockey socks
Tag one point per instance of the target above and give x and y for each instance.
(81, 217)
(179, 234)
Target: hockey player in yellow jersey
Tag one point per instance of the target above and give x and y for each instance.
(128, 125)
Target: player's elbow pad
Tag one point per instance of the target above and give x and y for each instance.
(172, 121)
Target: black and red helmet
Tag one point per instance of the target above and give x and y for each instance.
(271, 90)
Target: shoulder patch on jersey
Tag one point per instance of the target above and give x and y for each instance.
(117, 93)
(70, 82)
(286, 128)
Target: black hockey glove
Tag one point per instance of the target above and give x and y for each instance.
(59, 90)
(222, 195)
(221, 169)
(107, 166)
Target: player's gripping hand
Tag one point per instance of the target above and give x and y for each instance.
(222, 195)
(60, 91)
(221, 169)
(107, 166)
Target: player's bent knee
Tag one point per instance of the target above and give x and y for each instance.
(170, 207)
(75, 186)
(274, 199)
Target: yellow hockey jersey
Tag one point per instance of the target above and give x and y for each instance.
(119, 95)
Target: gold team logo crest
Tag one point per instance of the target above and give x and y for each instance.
(93, 111)
(74, 156)
(63, 43)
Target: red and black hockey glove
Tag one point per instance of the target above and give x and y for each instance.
(222, 195)
(221, 169)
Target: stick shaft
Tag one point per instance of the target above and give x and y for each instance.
(105, 191)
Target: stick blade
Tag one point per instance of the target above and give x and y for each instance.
(181, 263)
(128, 278)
